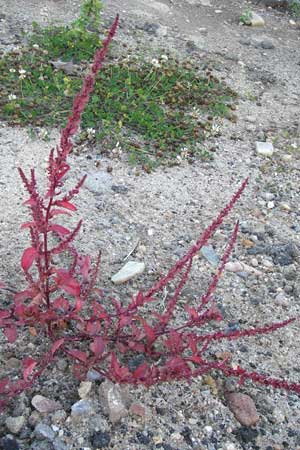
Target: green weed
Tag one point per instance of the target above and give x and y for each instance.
(157, 110)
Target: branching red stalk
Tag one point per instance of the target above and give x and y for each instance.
(95, 331)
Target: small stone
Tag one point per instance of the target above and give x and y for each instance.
(208, 430)
(93, 375)
(264, 148)
(13, 363)
(43, 431)
(230, 446)
(277, 416)
(199, 2)
(268, 196)
(59, 445)
(44, 404)
(292, 22)
(209, 253)
(15, 424)
(138, 410)
(82, 408)
(270, 205)
(243, 408)
(177, 437)
(101, 439)
(130, 270)
(281, 300)
(9, 443)
(114, 400)
(84, 389)
(285, 207)
(256, 20)
(287, 158)
(98, 182)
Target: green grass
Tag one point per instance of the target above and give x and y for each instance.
(157, 109)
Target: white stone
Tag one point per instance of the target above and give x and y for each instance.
(264, 148)
(130, 270)
(270, 205)
(199, 2)
(84, 389)
(256, 20)
(15, 424)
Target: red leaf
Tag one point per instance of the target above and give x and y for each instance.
(56, 212)
(3, 383)
(30, 202)
(140, 372)
(61, 303)
(27, 225)
(68, 283)
(93, 328)
(10, 333)
(97, 346)
(65, 204)
(149, 331)
(56, 345)
(4, 314)
(59, 229)
(28, 366)
(120, 373)
(28, 257)
(82, 356)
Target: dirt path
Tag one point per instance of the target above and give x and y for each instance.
(167, 210)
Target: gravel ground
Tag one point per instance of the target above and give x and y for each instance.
(160, 215)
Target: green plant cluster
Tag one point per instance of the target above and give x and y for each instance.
(156, 109)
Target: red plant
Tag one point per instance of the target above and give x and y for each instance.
(100, 333)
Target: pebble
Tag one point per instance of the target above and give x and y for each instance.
(43, 431)
(101, 439)
(199, 2)
(113, 398)
(281, 300)
(285, 207)
(44, 404)
(270, 205)
(277, 416)
(130, 270)
(264, 148)
(9, 443)
(256, 20)
(98, 182)
(82, 408)
(237, 267)
(243, 408)
(84, 389)
(209, 253)
(15, 424)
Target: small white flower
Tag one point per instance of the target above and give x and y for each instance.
(12, 70)
(36, 46)
(91, 132)
(22, 73)
(155, 62)
(12, 97)
(164, 57)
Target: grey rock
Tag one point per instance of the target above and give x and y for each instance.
(60, 445)
(119, 188)
(66, 66)
(44, 404)
(82, 408)
(282, 254)
(264, 148)
(266, 44)
(209, 253)
(98, 182)
(114, 400)
(43, 431)
(199, 2)
(15, 424)
(101, 439)
(93, 375)
(9, 443)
